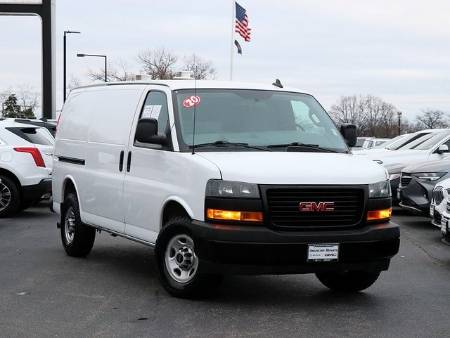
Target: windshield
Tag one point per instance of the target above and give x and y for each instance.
(427, 142)
(390, 142)
(254, 117)
(34, 135)
(360, 141)
(408, 140)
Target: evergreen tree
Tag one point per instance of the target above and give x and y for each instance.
(10, 107)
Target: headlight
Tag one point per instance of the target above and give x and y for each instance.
(429, 177)
(393, 177)
(219, 188)
(380, 190)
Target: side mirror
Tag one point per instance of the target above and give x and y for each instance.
(443, 148)
(348, 131)
(147, 132)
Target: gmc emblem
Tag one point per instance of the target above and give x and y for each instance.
(316, 207)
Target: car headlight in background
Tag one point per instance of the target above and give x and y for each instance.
(220, 188)
(380, 190)
(429, 177)
(394, 176)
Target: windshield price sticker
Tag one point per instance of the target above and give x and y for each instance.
(191, 101)
(323, 252)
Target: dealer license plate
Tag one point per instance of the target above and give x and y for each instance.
(323, 252)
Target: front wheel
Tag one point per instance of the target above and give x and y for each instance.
(179, 264)
(348, 281)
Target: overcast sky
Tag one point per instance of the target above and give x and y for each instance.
(396, 49)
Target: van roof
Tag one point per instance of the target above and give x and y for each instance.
(189, 84)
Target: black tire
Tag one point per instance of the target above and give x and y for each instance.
(201, 284)
(77, 238)
(348, 281)
(9, 196)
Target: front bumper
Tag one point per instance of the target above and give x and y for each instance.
(37, 191)
(416, 196)
(260, 250)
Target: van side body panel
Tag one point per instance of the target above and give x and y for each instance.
(95, 127)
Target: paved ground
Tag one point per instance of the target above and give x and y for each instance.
(115, 292)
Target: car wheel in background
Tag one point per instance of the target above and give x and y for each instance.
(77, 238)
(348, 281)
(9, 197)
(446, 233)
(179, 264)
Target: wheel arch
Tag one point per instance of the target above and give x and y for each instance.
(69, 185)
(174, 207)
(12, 176)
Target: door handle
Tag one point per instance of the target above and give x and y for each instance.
(122, 154)
(129, 162)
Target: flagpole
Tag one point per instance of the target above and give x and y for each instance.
(233, 14)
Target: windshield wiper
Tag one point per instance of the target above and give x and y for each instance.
(297, 146)
(223, 143)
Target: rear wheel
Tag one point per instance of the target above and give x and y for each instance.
(348, 281)
(9, 197)
(179, 264)
(77, 238)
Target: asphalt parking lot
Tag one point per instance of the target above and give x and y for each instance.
(115, 292)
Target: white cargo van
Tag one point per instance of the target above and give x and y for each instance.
(221, 177)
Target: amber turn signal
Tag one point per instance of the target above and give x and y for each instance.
(230, 215)
(378, 215)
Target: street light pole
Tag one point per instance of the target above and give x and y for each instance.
(80, 55)
(399, 114)
(65, 62)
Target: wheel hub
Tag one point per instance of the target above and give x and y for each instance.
(184, 258)
(180, 259)
(69, 226)
(5, 196)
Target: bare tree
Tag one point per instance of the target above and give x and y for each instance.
(116, 72)
(348, 110)
(431, 119)
(27, 98)
(74, 82)
(200, 68)
(158, 64)
(371, 115)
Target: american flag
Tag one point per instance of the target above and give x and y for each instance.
(242, 23)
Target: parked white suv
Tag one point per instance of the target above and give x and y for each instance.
(26, 153)
(440, 208)
(221, 177)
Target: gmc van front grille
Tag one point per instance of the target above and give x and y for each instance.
(311, 207)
